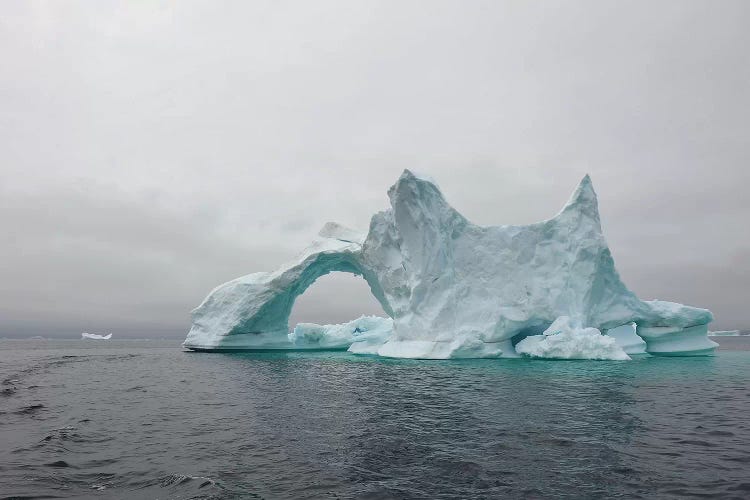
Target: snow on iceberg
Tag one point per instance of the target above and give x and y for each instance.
(455, 289)
(94, 336)
(564, 340)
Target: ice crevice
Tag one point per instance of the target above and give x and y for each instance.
(453, 289)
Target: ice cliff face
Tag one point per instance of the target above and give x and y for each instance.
(455, 289)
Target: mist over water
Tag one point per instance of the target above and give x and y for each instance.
(119, 419)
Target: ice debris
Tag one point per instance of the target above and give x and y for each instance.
(364, 331)
(565, 340)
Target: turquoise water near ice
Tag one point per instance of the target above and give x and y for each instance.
(127, 419)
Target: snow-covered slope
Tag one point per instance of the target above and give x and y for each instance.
(455, 289)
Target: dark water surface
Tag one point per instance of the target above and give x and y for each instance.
(147, 420)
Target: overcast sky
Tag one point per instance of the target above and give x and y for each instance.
(152, 150)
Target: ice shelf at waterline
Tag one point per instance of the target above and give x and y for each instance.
(457, 290)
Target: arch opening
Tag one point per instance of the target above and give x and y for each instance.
(626, 337)
(537, 329)
(333, 298)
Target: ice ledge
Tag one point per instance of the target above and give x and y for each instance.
(676, 341)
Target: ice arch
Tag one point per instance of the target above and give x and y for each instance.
(453, 288)
(255, 308)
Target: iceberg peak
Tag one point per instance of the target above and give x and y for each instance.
(419, 199)
(584, 197)
(582, 203)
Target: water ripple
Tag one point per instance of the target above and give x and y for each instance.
(147, 420)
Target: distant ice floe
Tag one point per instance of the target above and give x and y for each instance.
(725, 333)
(94, 336)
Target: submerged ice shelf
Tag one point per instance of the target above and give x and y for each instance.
(453, 289)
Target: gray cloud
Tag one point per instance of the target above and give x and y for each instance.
(150, 152)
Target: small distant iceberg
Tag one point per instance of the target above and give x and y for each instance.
(94, 336)
(725, 333)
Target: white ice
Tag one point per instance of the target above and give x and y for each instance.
(94, 336)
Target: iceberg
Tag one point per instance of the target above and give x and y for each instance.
(453, 289)
(94, 336)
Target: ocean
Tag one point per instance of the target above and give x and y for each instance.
(145, 419)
